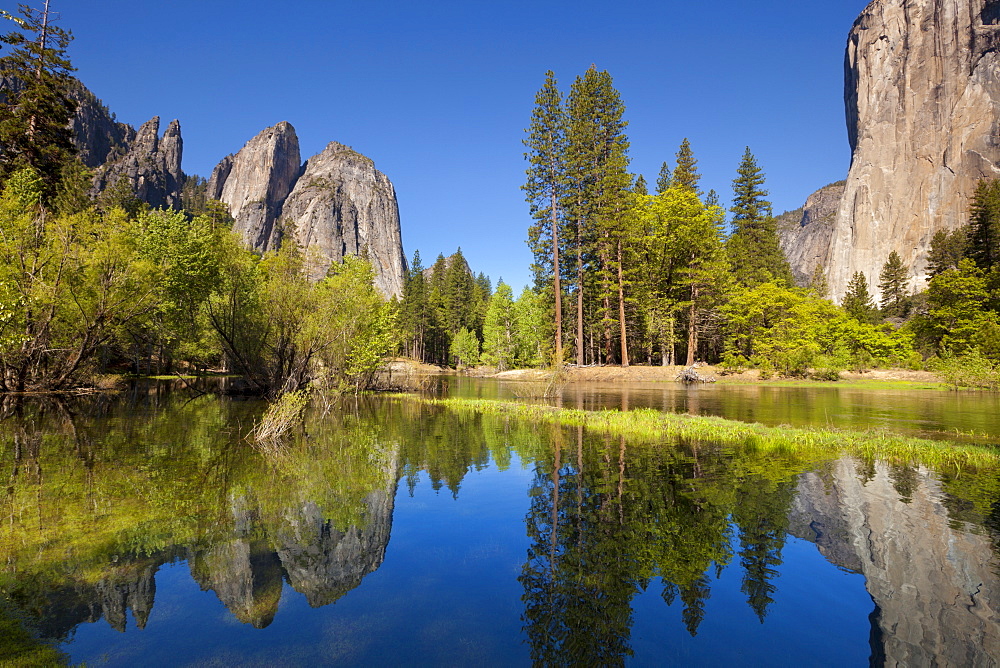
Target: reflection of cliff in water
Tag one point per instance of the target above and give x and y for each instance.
(934, 582)
(301, 546)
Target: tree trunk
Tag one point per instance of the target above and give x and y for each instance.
(693, 326)
(621, 306)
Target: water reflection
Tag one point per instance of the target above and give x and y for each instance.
(102, 494)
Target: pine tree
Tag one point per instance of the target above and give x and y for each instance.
(597, 161)
(35, 116)
(686, 172)
(414, 309)
(754, 251)
(947, 250)
(984, 225)
(545, 188)
(664, 180)
(893, 285)
(640, 187)
(858, 301)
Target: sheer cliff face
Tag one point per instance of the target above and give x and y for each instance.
(922, 89)
(256, 181)
(923, 94)
(342, 206)
(934, 583)
(337, 204)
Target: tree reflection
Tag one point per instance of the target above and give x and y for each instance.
(613, 518)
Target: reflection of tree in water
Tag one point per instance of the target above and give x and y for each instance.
(606, 518)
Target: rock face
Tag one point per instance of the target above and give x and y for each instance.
(934, 583)
(335, 205)
(151, 163)
(923, 103)
(99, 137)
(256, 181)
(805, 234)
(343, 206)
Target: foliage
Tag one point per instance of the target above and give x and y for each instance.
(280, 417)
(893, 286)
(858, 301)
(34, 118)
(792, 331)
(70, 285)
(465, 348)
(500, 330)
(754, 252)
(984, 225)
(970, 370)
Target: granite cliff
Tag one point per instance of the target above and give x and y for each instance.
(922, 91)
(334, 205)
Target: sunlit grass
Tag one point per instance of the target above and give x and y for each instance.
(652, 425)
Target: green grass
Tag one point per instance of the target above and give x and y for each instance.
(652, 425)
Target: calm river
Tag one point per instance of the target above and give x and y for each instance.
(145, 530)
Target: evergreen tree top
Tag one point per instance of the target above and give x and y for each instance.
(749, 203)
(686, 173)
(664, 180)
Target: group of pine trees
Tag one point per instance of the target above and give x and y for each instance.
(631, 275)
(452, 317)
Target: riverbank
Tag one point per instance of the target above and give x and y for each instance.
(885, 378)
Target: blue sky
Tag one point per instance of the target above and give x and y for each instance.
(439, 93)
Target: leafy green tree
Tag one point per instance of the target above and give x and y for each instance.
(465, 348)
(858, 301)
(640, 187)
(545, 189)
(754, 251)
(34, 117)
(500, 344)
(69, 284)
(893, 282)
(958, 308)
(984, 225)
(530, 315)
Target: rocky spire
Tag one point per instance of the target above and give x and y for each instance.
(256, 181)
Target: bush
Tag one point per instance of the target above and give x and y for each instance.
(971, 370)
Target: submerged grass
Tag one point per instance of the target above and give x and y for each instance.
(649, 424)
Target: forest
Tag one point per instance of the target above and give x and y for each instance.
(624, 272)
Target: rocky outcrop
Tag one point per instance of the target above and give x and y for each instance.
(98, 136)
(151, 164)
(805, 233)
(923, 103)
(934, 582)
(343, 206)
(256, 181)
(335, 205)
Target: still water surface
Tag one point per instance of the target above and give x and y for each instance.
(145, 530)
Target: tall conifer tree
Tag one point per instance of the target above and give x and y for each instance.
(34, 117)
(597, 161)
(754, 251)
(545, 188)
(984, 226)
(686, 172)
